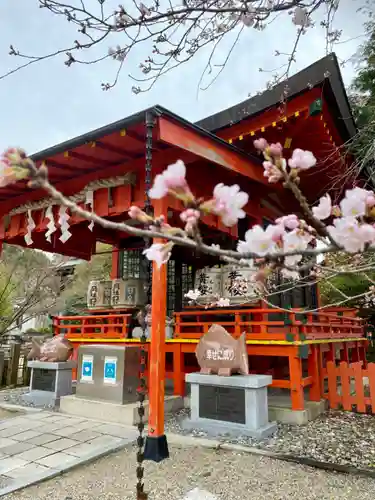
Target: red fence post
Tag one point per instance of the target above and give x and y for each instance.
(332, 384)
(371, 381)
(360, 394)
(313, 371)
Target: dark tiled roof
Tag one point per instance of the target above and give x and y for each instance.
(324, 73)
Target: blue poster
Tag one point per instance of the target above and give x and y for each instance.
(87, 368)
(110, 369)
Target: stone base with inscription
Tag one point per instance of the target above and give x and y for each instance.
(49, 382)
(229, 405)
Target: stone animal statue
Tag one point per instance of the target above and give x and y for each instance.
(56, 349)
(218, 352)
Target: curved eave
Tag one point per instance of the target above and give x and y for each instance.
(324, 73)
(120, 147)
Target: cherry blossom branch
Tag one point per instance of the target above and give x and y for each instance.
(22, 166)
(282, 245)
(178, 31)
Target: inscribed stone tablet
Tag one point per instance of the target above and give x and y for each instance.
(43, 380)
(222, 403)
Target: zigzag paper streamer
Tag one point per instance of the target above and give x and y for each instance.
(64, 225)
(51, 225)
(30, 227)
(89, 201)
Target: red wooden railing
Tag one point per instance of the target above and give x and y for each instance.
(115, 326)
(347, 394)
(259, 324)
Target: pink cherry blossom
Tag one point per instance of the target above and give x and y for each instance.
(276, 149)
(190, 215)
(368, 233)
(292, 242)
(258, 241)
(7, 174)
(159, 253)
(260, 144)
(301, 17)
(353, 206)
(290, 221)
(324, 209)
(228, 203)
(352, 236)
(278, 231)
(302, 160)
(14, 155)
(173, 178)
(359, 193)
(248, 19)
(134, 212)
(272, 173)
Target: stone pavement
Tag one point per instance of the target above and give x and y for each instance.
(39, 445)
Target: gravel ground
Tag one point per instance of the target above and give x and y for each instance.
(228, 475)
(338, 437)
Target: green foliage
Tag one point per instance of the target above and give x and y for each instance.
(363, 102)
(28, 285)
(349, 284)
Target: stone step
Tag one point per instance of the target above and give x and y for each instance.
(113, 412)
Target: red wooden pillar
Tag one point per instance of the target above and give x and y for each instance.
(178, 371)
(344, 353)
(313, 370)
(296, 386)
(362, 353)
(355, 353)
(156, 447)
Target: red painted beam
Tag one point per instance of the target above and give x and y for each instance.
(266, 118)
(75, 184)
(209, 149)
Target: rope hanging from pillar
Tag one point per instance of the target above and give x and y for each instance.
(142, 390)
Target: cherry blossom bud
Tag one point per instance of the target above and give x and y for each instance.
(276, 149)
(260, 144)
(137, 214)
(370, 200)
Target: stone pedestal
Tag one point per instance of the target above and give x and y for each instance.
(49, 381)
(229, 405)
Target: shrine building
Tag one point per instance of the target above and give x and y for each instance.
(109, 169)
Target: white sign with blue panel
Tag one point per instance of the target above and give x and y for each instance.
(110, 370)
(87, 368)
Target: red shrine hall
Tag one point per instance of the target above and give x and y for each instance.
(110, 169)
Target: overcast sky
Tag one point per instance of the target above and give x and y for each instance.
(48, 103)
